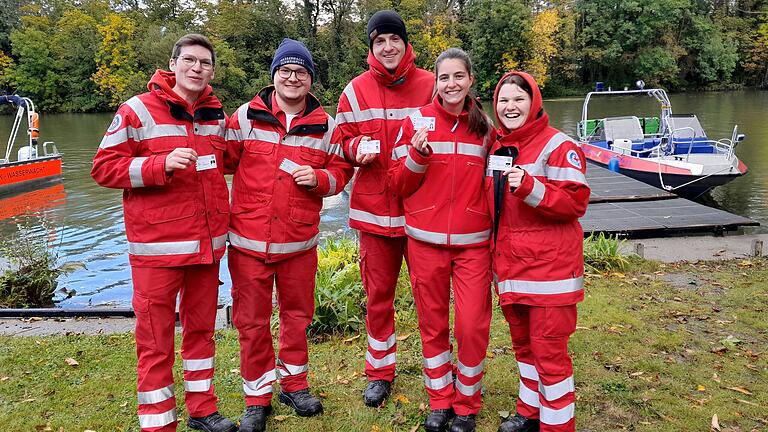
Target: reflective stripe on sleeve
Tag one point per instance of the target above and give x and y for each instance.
(438, 360)
(565, 174)
(387, 360)
(134, 172)
(261, 385)
(537, 168)
(149, 129)
(164, 248)
(331, 182)
(414, 166)
(382, 221)
(116, 138)
(541, 287)
(536, 195)
(560, 416)
(155, 396)
(378, 345)
(399, 152)
(157, 420)
(556, 391)
(198, 386)
(438, 383)
(197, 364)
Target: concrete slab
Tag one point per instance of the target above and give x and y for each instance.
(80, 326)
(705, 248)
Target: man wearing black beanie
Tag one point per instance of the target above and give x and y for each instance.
(368, 119)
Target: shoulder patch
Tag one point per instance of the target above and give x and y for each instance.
(573, 158)
(116, 122)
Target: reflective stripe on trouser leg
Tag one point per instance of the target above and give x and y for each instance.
(430, 271)
(154, 302)
(197, 312)
(296, 299)
(252, 282)
(472, 303)
(518, 318)
(549, 344)
(380, 261)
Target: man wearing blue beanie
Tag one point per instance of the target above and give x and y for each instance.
(281, 150)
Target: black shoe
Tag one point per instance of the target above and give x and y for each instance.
(302, 402)
(519, 423)
(212, 423)
(255, 418)
(437, 420)
(376, 393)
(463, 423)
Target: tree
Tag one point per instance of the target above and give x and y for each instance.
(117, 76)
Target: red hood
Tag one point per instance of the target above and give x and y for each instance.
(536, 105)
(162, 83)
(407, 64)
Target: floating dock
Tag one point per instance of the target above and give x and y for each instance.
(624, 206)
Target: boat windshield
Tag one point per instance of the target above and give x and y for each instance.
(686, 126)
(622, 128)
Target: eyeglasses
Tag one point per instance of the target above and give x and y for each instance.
(190, 60)
(285, 73)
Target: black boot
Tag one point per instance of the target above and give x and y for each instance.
(437, 420)
(519, 423)
(376, 393)
(212, 423)
(463, 423)
(255, 418)
(302, 402)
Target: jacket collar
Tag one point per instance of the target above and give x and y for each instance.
(387, 78)
(206, 107)
(263, 107)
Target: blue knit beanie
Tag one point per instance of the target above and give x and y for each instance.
(293, 52)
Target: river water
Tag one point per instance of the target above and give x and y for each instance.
(84, 224)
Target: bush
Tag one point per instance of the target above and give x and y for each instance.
(31, 280)
(339, 295)
(603, 254)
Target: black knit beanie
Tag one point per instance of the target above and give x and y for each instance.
(386, 21)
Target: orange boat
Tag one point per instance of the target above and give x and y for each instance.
(31, 166)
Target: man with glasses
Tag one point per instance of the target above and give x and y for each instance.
(368, 118)
(280, 148)
(165, 149)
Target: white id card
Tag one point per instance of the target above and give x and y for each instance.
(288, 166)
(369, 147)
(205, 162)
(500, 163)
(421, 122)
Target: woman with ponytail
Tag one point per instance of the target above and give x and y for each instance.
(537, 251)
(439, 172)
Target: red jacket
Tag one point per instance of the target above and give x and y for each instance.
(538, 253)
(443, 191)
(273, 218)
(176, 219)
(374, 104)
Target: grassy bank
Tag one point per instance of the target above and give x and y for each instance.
(658, 348)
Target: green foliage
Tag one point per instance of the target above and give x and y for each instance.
(90, 55)
(339, 299)
(31, 280)
(603, 254)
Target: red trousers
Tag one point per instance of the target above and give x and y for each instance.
(154, 301)
(540, 339)
(252, 284)
(380, 261)
(433, 270)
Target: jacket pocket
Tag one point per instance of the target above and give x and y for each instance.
(423, 210)
(529, 251)
(259, 147)
(370, 127)
(314, 158)
(159, 146)
(169, 214)
(369, 182)
(305, 217)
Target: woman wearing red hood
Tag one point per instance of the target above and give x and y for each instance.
(537, 250)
